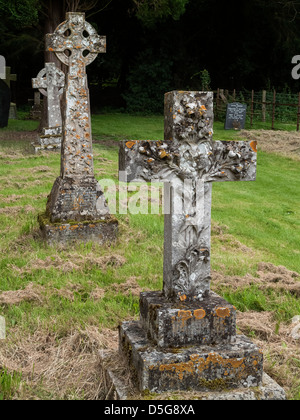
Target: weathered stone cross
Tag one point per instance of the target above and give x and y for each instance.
(77, 44)
(190, 161)
(50, 81)
(76, 195)
(76, 208)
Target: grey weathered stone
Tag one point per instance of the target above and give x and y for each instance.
(190, 161)
(50, 81)
(76, 195)
(37, 106)
(200, 368)
(186, 337)
(173, 324)
(13, 114)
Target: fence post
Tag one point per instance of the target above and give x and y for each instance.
(264, 102)
(274, 109)
(252, 109)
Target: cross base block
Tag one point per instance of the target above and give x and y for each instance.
(226, 366)
(103, 231)
(169, 324)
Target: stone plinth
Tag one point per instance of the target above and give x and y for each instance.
(100, 231)
(48, 140)
(174, 324)
(201, 368)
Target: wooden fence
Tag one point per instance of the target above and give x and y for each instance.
(263, 106)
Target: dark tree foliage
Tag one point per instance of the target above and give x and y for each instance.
(157, 45)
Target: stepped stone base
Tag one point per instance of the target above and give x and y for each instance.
(49, 140)
(117, 388)
(100, 231)
(201, 368)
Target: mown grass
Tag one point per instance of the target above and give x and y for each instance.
(264, 216)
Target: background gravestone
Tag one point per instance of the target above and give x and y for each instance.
(235, 116)
(50, 82)
(4, 103)
(13, 107)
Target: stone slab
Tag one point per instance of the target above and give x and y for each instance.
(182, 324)
(56, 147)
(117, 389)
(103, 231)
(200, 368)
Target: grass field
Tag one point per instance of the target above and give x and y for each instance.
(62, 304)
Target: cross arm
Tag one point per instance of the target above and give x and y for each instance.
(211, 161)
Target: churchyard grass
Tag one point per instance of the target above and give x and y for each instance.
(59, 290)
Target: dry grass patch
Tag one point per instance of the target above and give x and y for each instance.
(32, 292)
(63, 368)
(280, 142)
(268, 277)
(71, 262)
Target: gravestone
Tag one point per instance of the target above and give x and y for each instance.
(4, 103)
(37, 107)
(13, 107)
(76, 208)
(186, 338)
(50, 82)
(235, 116)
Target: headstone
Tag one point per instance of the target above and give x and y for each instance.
(37, 107)
(235, 116)
(186, 337)
(50, 82)
(4, 103)
(77, 209)
(13, 107)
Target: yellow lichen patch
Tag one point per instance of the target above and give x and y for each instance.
(184, 316)
(183, 298)
(253, 146)
(162, 154)
(130, 144)
(236, 363)
(179, 368)
(199, 314)
(223, 312)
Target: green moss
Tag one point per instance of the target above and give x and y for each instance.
(44, 220)
(214, 384)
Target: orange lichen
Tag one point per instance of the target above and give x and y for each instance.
(130, 144)
(183, 298)
(223, 312)
(184, 316)
(253, 146)
(199, 314)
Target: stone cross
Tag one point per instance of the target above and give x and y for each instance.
(50, 81)
(76, 195)
(9, 77)
(77, 44)
(190, 161)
